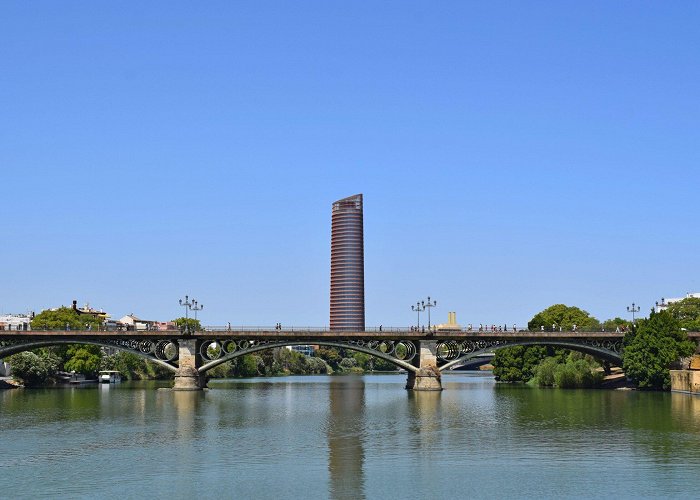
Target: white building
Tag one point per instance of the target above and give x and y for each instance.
(15, 321)
(134, 323)
(663, 305)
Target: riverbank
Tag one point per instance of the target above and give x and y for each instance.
(9, 383)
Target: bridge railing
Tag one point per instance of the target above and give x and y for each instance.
(244, 328)
(378, 329)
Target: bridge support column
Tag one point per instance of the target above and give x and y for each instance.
(187, 377)
(427, 377)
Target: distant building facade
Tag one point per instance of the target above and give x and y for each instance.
(131, 322)
(89, 311)
(663, 305)
(347, 305)
(16, 321)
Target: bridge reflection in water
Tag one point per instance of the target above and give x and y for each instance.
(423, 356)
(346, 437)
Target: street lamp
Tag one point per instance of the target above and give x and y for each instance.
(196, 307)
(428, 305)
(633, 310)
(418, 308)
(187, 304)
(661, 304)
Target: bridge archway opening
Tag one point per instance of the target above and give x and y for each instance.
(398, 353)
(161, 352)
(452, 355)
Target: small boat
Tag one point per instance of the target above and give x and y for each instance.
(109, 377)
(79, 378)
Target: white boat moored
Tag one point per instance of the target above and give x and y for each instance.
(109, 377)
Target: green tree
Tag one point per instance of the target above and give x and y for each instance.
(652, 348)
(612, 325)
(59, 319)
(577, 371)
(687, 312)
(518, 363)
(565, 317)
(34, 369)
(250, 365)
(330, 355)
(193, 324)
(85, 359)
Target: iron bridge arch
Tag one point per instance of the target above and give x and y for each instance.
(163, 352)
(453, 353)
(399, 353)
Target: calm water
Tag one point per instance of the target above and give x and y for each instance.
(347, 437)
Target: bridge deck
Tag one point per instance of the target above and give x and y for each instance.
(311, 334)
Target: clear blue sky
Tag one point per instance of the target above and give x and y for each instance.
(512, 155)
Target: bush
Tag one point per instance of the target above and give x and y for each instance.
(34, 369)
(518, 363)
(544, 373)
(652, 348)
(577, 371)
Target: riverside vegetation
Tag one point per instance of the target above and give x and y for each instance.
(40, 366)
(651, 348)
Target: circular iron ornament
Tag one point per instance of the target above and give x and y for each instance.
(386, 347)
(468, 346)
(145, 346)
(447, 350)
(243, 344)
(166, 350)
(229, 346)
(372, 344)
(405, 351)
(211, 350)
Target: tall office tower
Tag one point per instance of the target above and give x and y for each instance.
(347, 265)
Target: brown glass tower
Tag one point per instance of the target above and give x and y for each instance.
(347, 266)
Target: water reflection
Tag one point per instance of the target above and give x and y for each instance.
(686, 410)
(426, 417)
(346, 435)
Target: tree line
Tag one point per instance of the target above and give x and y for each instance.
(651, 347)
(42, 366)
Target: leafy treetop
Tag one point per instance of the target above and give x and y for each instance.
(565, 317)
(194, 324)
(58, 319)
(687, 312)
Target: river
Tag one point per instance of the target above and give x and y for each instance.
(347, 437)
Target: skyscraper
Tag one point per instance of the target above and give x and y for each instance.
(347, 265)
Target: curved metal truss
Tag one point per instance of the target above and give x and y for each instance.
(163, 352)
(399, 352)
(452, 353)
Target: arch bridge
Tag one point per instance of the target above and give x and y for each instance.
(424, 356)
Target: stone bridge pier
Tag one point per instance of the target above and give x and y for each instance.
(427, 377)
(187, 376)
